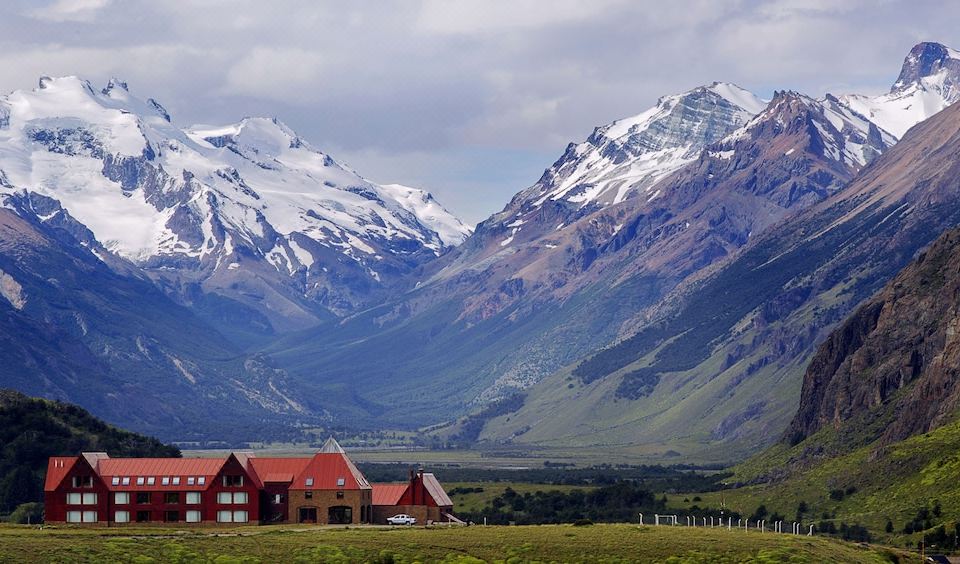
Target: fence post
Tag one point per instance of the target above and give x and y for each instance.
(641, 518)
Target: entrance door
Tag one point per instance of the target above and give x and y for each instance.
(308, 515)
(340, 515)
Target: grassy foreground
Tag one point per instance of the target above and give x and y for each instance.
(548, 543)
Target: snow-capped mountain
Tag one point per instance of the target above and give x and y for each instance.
(929, 81)
(250, 211)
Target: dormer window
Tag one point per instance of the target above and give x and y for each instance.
(140, 480)
(165, 481)
(176, 480)
(341, 482)
(201, 480)
(115, 481)
(191, 480)
(126, 480)
(309, 481)
(151, 481)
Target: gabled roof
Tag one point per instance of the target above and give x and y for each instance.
(388, 494)
(331, 446)
(436, 490)
(325, 470)
(57, 469)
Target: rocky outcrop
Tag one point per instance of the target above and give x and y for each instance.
(899, 353)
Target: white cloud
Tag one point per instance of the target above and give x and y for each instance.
(70, 10)
(275, 72)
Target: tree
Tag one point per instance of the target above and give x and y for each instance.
(889, 527)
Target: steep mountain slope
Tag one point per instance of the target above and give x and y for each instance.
(247, 220)
(879, 409)
(513, 304)
(76, 328)
(32, 430)
(733, 348)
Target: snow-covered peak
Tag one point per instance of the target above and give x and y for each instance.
(929, 81)
(165, 197)
(421, 203)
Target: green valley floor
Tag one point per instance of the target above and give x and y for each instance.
(527, 544)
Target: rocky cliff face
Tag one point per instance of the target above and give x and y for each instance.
(898, 353)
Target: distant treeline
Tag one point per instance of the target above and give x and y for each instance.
(32, 430)
(614, 503)
(668, 479)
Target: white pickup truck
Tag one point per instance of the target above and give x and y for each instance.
(402, 519)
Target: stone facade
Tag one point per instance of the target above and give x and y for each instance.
(317, 508)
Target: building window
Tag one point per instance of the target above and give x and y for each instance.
(121, 498)
(121, 517)
(201, 480)
(308, 495)
(115, 481)
(171, 516)
(151, 481)
(176, 480)
(240, 497)
(309, 481)
(193, 498)
(83, 481)
(126, 480)
(232, 481)
(140, 480)
(224, 498)
(341, 482)
(74, 499)
(191, 480)
(143, 497)
(89, 516)
(171, 497)
(277, 498)
(89, 499)
(339, 495)
(239, 516)
(165, 481)
(224, 516)
(143, 516)
(74, 516)
(193, 516)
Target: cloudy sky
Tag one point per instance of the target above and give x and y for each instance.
(469, 99)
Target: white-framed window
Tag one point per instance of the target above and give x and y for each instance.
(140, 480)
(115, 481)
(201, 480)
(277, 498)
(121, 498)
(74, 517)
(121, 517)
(89, 516)
(176, 480)
(309, 481)
(74, 499)
(239, 516)
(193, 516)
(165, 481)
(193, 498)
(191, 480)
(240, 497)
(89, 498)
(224, 498)
(126, 480)
(341, 481)
(151, 481)
(225, 516)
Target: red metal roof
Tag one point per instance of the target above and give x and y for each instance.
(388, 494)
(278, 469)
(158, 468)
(57, 469)
(326, 470)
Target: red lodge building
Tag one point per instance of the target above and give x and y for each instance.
(326, 488)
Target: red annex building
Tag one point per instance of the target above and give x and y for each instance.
(326, 488)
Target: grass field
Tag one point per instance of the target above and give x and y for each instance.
(548, 543)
